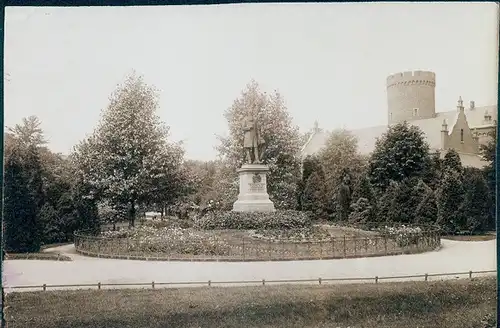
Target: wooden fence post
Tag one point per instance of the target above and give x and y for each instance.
(470, 274)
(426, 276)
(209, 283)
(319, 280)
(153, 284)
(99, 285)
(263, 282)
(344, 247)
(385, 244)
(44, 287)
(333, 246)
(376, 279)
(243, 247)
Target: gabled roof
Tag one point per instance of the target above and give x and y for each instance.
(430, 127)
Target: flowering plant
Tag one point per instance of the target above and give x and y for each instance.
(403, 235)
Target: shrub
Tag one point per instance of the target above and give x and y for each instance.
(404, 235)
(253, 220)
(312, 233)
(362, 211)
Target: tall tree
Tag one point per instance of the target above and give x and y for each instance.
(22, 228)
(450, 198)
(488, 152)
(476, 205)
(29, 133)
(129, 154)
(340, 158)
(313, 197)
(399, 154)
(451, 161)
(282, 137)
(310, 165)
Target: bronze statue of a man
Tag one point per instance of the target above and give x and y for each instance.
(253, 142)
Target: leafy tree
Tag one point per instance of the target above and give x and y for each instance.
(313, 197)
(476, 206)
(224, 189)
(22, 228)
(401, 153)
(310, 165)
(362, 211)
(488, 152)
(128, 159)
(427, 210)
(29, 133)
(450, 198)
(344, 198)
(432, 175)
(399, 201)
(339, 158)
(283, 142)
(451, 161)
(364, 189)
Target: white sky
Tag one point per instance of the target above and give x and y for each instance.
(329, 61)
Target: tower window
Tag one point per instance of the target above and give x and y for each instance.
(462, 135)
(415, 111)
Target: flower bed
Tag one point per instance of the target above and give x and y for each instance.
(306, 234)
(403, 235)
(168, 240)
(250, 220)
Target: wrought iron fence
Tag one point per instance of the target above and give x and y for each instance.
(257, 249)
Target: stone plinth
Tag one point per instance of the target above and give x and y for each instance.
(253, 195)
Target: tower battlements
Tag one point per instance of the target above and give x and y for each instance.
(412, 78)
(411, 96)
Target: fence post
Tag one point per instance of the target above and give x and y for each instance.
(44, 287)
(470, 274)
(99, 285)
(355, 245)
(209, 283)
(385, 244)
(344, 247)
(366, 244)
(243, 247)
(319, 280)
(320, 249)
(263, 282)
(376, 279)
(153, 284)
(426, 276)
(333, 246)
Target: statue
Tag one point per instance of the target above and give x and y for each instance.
(253, 142)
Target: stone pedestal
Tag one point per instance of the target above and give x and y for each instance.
(253, 195)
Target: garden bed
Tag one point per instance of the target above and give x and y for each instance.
(309, 242)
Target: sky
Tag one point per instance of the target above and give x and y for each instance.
(329, 61)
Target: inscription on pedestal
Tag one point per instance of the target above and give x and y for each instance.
(256, 187)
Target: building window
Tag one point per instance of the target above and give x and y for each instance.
(415, 111)
(461, 135)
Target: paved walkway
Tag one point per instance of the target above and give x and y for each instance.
(454, 256)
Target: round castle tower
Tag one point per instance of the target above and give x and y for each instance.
(411, 96)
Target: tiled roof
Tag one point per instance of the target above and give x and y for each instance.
(431, 128)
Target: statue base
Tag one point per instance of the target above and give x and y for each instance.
(253, 195)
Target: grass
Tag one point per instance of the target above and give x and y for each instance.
(450, 304)
(37, 256)
(471, 237)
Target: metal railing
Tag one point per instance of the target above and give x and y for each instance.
(252, 249)
(263, 282)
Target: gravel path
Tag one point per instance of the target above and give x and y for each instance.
(454, 256)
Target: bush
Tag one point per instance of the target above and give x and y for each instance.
(312, 233)
(404, 235)
(253, 220)
(362, 211)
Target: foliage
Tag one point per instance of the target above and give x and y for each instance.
(451, 161)
(488, 152)
(340, 158)
(362, 211)
(224, 189)
(128, 159)
(282, 142)
(170, 241)
(344, 199)
(312, 233)
(253, 220)
(310, 165)
(401, 153)
(400, 201)
(450, 198)
(29, 133)
(403, 235)
(314, 195)
(427, 210)
(476, 206)
(21, 219)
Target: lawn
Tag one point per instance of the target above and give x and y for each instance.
(450, 304)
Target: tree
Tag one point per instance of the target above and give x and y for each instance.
(22, 229)
(224, 189)
(128, 158)
(427, 210)
(451, 161)
(283, 142)
(339, 158)
(29, 133)
(362, 211)
(401, 153)
(476, 206)
(450, 198)
(488, 152)
(313, 197)
(310, 165)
